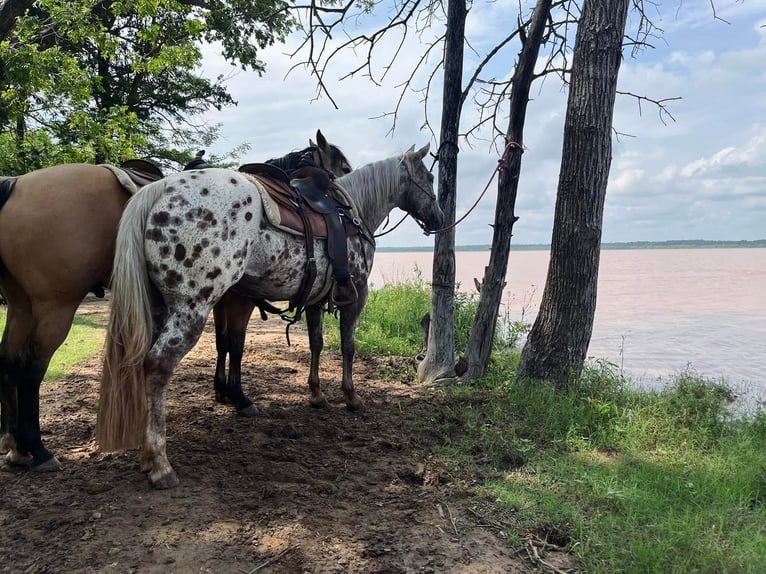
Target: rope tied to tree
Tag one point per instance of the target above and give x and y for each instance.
(501, 165)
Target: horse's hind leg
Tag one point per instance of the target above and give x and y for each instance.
(181, 332)
(232, 314)
(314, 321)
(52, 324)
(221, 350)
(33, 335)
(8, 410)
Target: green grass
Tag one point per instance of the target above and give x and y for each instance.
(631, 481)
(85, 339)
(390, 322)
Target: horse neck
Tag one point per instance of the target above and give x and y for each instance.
(374, 188)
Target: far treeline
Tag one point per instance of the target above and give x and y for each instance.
(672, 244)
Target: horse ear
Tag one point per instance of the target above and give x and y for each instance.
(321, 141)
(412, 149)
(421, 153)
(312, 144)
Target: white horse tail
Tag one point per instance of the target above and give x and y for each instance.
(122, 406)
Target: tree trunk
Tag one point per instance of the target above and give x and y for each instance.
(483, 329)
(10, 11)
(439, 361)
(558, 342)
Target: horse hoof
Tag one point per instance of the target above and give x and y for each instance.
(164, 482)
(13, 457)
(249, 411)
(50, 465)
(7, 443)
(355, 406)
(319, 402)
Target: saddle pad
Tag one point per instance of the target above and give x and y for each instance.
(127, 182)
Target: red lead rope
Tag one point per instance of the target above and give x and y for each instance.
(501, 165)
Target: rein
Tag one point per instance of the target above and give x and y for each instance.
(394, 227)
(501, 165)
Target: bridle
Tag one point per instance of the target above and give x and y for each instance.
(413, 183)
(501, 165)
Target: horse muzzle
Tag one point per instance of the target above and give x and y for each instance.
(435, 221)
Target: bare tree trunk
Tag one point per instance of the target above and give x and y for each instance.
(483, 330)
(439, 361)
(558, 342)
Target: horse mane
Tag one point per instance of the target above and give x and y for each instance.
(372, 187)
(294, 160)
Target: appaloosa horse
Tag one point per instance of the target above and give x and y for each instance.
(57, 234)
(185, 241)
(232, 313)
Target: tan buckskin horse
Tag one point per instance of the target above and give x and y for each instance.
(57, 237)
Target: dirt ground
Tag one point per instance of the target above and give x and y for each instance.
(295, 490)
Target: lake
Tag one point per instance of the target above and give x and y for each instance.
(658, 311)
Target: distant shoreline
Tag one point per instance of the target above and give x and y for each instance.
(673, 244)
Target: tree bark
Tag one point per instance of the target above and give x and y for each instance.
(10, 11)
(439, 361)
(479, 346)
(558, 342)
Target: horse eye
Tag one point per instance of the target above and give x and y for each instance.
(346, 170)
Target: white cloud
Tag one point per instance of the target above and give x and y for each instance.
(702, 176)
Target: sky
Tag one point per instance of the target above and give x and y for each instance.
(700, 175)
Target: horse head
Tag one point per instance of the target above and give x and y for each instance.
(329, 157)
(418, 198)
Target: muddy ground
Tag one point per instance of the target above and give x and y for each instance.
(295, 490)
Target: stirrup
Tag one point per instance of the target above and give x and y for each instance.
(343, 295)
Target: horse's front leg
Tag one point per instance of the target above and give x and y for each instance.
(315, 321)
(349, 317)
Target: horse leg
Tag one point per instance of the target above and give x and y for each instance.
(181, 332)
(23, 362)
(233, 315)
(18, 326)
(221, 349)
(349, 317)
(52, 324)
(8, 410)
(314, 321)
